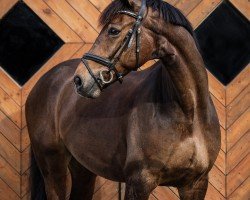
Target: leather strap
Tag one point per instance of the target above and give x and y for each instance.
(138, 47)
(91, 73)
(98, 59)
(129, 13)
(134, 32)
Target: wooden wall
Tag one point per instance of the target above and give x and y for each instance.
(75, 22)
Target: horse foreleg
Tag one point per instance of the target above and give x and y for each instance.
(53, 163)
(140, 186)
(83, 181)
(195, 191)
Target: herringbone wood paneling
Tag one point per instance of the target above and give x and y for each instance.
(76, 23)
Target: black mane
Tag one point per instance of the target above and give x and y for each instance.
(168, 12)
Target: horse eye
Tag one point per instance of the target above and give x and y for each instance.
(113, 31)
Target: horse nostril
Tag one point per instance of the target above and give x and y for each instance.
(78, 81)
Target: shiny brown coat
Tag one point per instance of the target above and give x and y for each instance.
(157, 128)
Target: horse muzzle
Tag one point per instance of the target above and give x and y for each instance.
(89, 90)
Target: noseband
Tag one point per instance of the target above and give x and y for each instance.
(134, 32)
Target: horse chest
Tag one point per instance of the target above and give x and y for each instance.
(173, 145)
(189, 154)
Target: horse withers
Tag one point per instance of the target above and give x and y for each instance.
(99, 116)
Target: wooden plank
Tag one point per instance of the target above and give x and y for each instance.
(216, 88)
(6, 5)
(88, 11)
(122, 190)
(223, 140)
(172, 2)
(217, 179)
(186, 6)
(221, 111)
(63, 54)
(238, 129)
(213, 194)
(10, 108)
(243, 6)
(25, 140)
(152, 197)
(147, 65)
(107, 191)
(201, 11)
(53, 21)
(238, 152)
(221, 161)
(6, 193)
(116, 197)
(238, 175)
(9, 176)
(238, 106)
(10, 153)
(10, 86)
(27, 196)
(9, 130)
(85, 48)
(23, 116)
(242, 192)
(79, 25)
(237, 85)
(100, 181)
(163, 192)
(26, 160)
(25, 186)
(100, 4)
(68, 183)
(174, 190)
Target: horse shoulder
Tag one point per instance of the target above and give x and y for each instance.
(42, 102)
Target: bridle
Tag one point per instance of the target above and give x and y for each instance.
(134, 32)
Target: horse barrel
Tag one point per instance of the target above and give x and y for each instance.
(36, 35)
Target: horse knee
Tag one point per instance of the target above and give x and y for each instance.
(194, 191)
(56, 186)
(139, 186)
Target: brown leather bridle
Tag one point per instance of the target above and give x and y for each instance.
(134, 32)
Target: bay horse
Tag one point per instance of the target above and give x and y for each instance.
(159, 127)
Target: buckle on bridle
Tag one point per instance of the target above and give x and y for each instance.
(120, 77)
(102, 77)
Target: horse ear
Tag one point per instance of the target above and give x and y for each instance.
(136, 4)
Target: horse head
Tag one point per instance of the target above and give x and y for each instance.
(123, 45)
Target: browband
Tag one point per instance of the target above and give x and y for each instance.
(129, 13)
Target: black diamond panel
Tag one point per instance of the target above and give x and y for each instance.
(224, 39)
(26, 42)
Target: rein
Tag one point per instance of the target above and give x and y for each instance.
(134, 32)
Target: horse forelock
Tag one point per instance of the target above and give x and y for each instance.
(168, 12)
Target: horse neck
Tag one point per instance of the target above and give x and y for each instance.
(188, 74)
